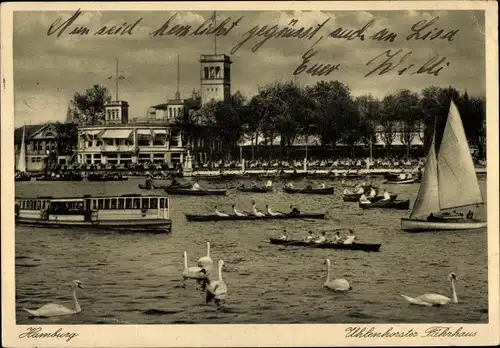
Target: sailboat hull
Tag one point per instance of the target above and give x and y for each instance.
(423, 225)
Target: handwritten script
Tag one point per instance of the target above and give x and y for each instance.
(391, 332)
(36, 332)
(395, 61)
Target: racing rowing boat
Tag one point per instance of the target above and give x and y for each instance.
(284, 216)
(339, 246)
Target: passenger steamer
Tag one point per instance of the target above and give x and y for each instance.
(126, 213)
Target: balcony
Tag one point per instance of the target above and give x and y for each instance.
(117, 148)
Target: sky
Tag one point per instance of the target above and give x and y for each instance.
(49, 69)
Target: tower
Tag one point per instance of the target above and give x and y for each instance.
(215, 74)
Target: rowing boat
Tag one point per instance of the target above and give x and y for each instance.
(388, 204)
(191, 192)
(285, 216)
(339, 246)
(255, 189)
(403, 181)
(354, 197)
(310, 190)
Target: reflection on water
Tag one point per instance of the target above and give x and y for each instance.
(135, 278)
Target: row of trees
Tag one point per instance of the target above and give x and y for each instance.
(326, 110)
(329, 112)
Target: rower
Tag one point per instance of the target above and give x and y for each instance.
(285, 235)
(270, 212)
(360, 190)
(373, 193)
(256, 211)
(309, 238)
(254, 184)
(289, 185)
(402, 176)
(387, 196)
(196, 186)
(238, 213)
(174, 182)
(220, 213)
(364, 199)
(346, 191)
(321, 239)
(269, 183)
(350, 238)
(337, 239)
(294, 211)
(322, 185)
(470, 215)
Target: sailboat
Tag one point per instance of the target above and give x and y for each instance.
(22, 175)
(449, 181)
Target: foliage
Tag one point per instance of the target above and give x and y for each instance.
(88, 107)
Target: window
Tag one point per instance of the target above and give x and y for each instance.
(217, 72)
(136, 203)
(106, 203)
(38, 205)
(205, 70)
(153, 203)
(94, 204)
(169, 113)
(121, 203)
(114, 203)
(162, 203)
(128, 203)
(145, 203)
(101, 203)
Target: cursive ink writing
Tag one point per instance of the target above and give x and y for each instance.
(316, 69)
(176, 30)
(269, 32)
(351, 34)
(60, 28)
(421, 31)
(207, 28)
(36, 332)
(446, 331)
(122, 29)
(394, 60)
(364, 332)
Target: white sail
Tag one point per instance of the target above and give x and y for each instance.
(457, 180)
(428, 194)
(21, 163)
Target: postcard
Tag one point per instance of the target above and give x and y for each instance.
(208, 174)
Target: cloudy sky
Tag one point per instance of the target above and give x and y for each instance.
(48, 69)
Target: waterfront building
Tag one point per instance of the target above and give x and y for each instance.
(54, 140)
(215, 76)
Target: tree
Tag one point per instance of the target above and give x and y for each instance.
(387, 124)
(409, 116)
(88, 107)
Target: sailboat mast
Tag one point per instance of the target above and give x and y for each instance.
(215, 32)
(116, 91)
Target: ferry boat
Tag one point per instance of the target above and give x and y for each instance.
(126, 213)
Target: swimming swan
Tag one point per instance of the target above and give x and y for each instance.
(192, 272)
(339, 284)
(54, 310)
(435, 299)
(217, 289)
(206, 261)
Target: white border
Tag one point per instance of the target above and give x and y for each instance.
(243, 335)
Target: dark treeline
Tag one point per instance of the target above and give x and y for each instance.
(328, 112)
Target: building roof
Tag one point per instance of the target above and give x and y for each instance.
(190, 102)
(30, 129)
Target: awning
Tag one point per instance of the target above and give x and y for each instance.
(116, 133)
(144, 131)
(92, 132)
(160, 131)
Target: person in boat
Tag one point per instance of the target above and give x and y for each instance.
(387, 196)
(269, 183)
(256, 211)
(218, 213)
(196, 186)
(308, 187)
(289, 185)
(360, 190)
(237, 212)
(294, 210)
(284, 235)
(270, 212)
(321, 239)
(346, 191)
(254, 184)
(336, 238)
(322, 185)
(174, 183)
(373, 193)
(309, 238)
(431, 217)
(402, 176)
(364, 199)
(470, 215)
(350, 237)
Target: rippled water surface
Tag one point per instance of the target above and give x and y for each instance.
(134, 278)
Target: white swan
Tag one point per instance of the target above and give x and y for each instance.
(206, 261)
(436, 299)
(217, 289)
(53, 309)
(193, 272)
(339, 284)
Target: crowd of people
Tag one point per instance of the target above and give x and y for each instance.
(336, 238)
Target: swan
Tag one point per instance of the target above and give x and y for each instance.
(435, 299)
(53, 309)
(217, 289)
(193, 272)
(206, 261)
(339, 284)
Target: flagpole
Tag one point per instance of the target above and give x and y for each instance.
(116, 79)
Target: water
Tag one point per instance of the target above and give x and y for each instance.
(135, 278)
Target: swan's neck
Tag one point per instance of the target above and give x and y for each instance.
(76, 305)
(327, 273)
(208, 249)
(220, 272)
(185, 261)
(454, 298)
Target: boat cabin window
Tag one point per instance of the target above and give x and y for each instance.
(137, 203)
(106, 203)
(114, 203)
(163, 203)
(128, 203)
(38, 205)
(66, 207)
(121, 203)
(153, 203)
(94, 204)
(145, 203)
(101, 203)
